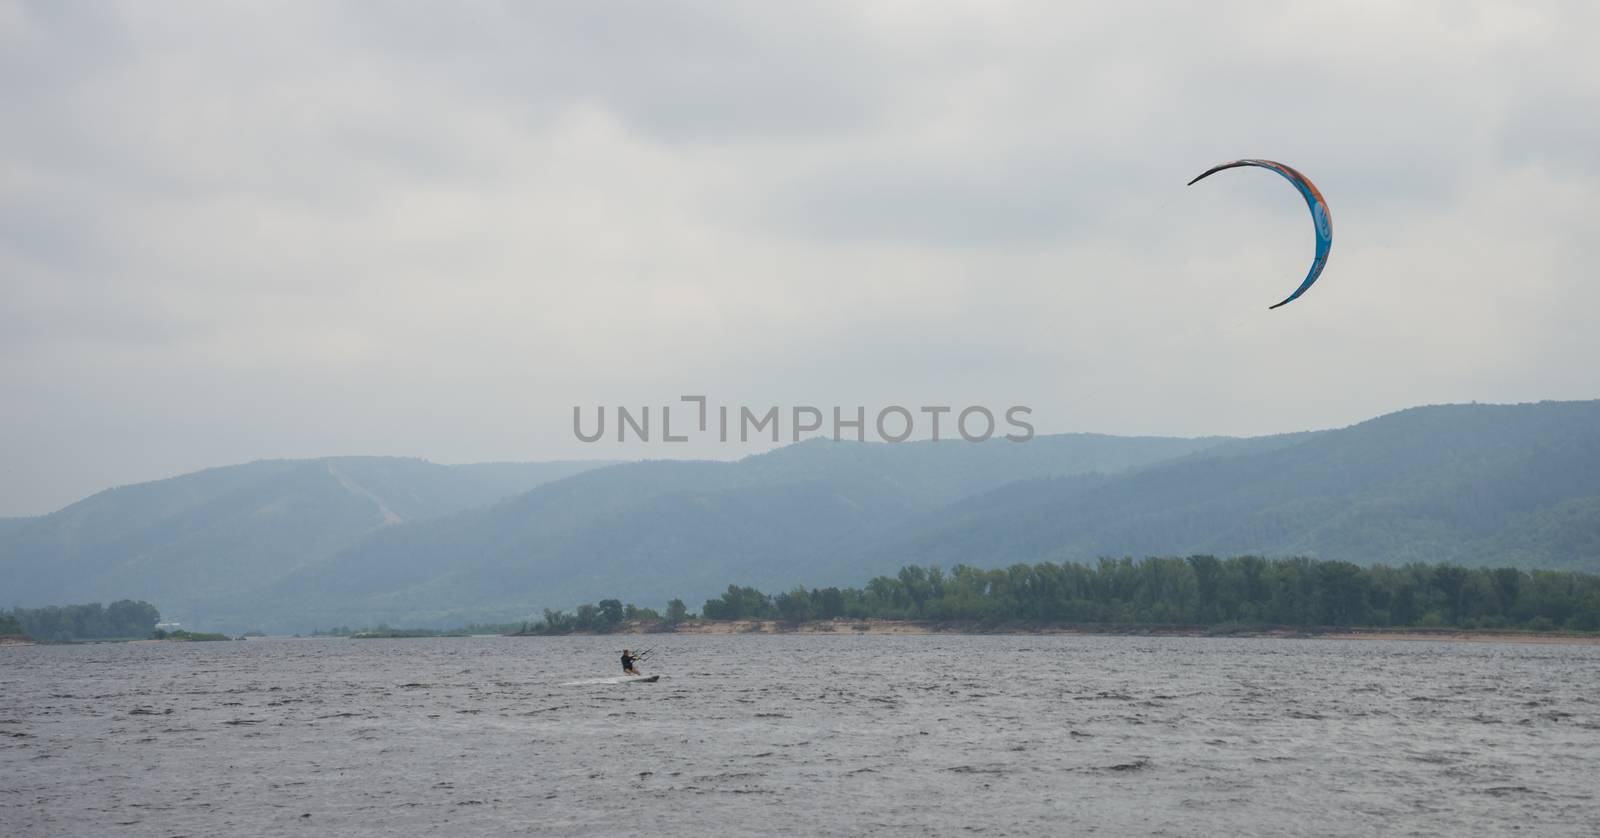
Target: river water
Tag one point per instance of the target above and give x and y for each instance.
(801, 735)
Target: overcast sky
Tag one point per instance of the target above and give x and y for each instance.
(239, 231)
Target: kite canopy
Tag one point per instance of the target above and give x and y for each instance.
(1319, 213)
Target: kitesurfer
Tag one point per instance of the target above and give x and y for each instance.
(627, 663)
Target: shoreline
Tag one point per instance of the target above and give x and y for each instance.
(929, 627)
(881, 628)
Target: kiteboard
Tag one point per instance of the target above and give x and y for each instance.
(615, 679)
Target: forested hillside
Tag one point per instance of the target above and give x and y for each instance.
(643, 528)
(226, 530)
(291, 545)
(1471, 484)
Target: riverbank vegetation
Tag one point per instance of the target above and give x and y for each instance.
(1218, 596)
(9, 627)
(181, 635)
(1191, 595)
(1197, 590)
(383, 631)
(604, 617)
(121, 620)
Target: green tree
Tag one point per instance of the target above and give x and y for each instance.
(739, 603)
(828, 603)
(610, 614)
(1296, 591)
(794, 606)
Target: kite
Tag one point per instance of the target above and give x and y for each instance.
(1319, 214)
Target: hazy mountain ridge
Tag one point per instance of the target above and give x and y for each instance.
(235, 528)
(1474, 484)
(643, 529)
(288, 545)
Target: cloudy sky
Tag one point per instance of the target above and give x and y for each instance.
(231, 231)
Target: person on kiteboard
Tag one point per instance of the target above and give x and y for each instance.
(627, 663)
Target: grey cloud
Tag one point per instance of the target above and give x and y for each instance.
(958, 204)
(679, 72)
(430, 229)
(46, 229)
(1563, 132)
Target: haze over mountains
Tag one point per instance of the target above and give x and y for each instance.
(188, 541)
(292, 545)
(1474, 485)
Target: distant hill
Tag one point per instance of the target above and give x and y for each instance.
(646, 530)
(291, 545)
(1471, 484)
(190, 539)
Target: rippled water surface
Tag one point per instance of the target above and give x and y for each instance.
(800, 735)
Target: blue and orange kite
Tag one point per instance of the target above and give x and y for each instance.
(1319, 213)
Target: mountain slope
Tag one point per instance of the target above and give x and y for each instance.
(645, 530)
(289, 545)
(1474, 484)
(235, 528)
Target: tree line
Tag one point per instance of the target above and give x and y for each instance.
(121, 619)
(1197, 590)
(1243, 592)
(602, 617)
